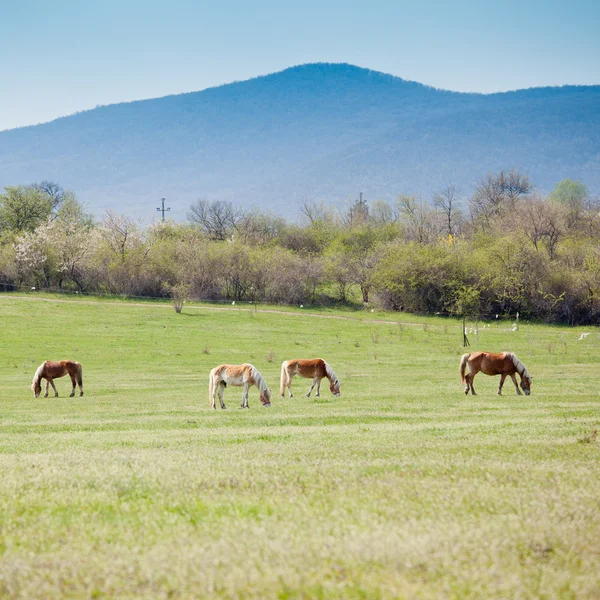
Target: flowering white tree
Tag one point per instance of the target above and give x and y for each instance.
(34, 256)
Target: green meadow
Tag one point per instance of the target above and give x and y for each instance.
(401, 488)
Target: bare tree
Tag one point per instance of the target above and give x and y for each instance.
(495, 194)
(219, 219)
(542, 222)
(418, 219)
(447, 202)
(120, 232)
(313, 212)
(54, 192)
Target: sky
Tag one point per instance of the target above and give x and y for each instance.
(58, 57)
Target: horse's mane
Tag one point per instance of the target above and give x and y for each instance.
(520, 367)
(329, 372)
(38, 374)
(261, 384)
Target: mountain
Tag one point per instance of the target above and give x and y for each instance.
(316, 131)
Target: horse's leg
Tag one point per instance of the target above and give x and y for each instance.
(47, 386)
(245, 396)
(502, 378)
(310, 389)
(73, 383)
(512, 376)
(221, 390)
(289, 384)
(318, 394)
(471, 376)
(468, 382)
(53, 387)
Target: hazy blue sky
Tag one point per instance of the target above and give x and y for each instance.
(61, 56)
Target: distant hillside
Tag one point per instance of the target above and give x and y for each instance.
(319, 131)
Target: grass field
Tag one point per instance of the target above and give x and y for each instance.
(402, 488)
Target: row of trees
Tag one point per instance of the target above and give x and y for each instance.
(505, 249)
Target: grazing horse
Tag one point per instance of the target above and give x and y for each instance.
(245, 376)
(51, 369)
(311, 368)
(503, 364)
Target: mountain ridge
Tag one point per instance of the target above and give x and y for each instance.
(322, 130)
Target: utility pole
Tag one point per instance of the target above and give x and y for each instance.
(163, 209)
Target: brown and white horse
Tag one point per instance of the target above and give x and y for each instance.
(245, 376)
(52, 369)
(311, 368)
(503, 364)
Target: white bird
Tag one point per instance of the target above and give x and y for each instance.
(583, 336)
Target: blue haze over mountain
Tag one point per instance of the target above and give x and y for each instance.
(318, 131)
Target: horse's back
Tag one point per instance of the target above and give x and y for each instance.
(233, 374)
(311, 367)
(493, 363)
(58, 368)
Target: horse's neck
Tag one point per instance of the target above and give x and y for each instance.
(520, 367)
(258, 379)
(38, 375)
(329, 372)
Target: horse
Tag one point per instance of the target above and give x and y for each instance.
(245, 376)
(503, 364)
(51, 369)
(311, 368)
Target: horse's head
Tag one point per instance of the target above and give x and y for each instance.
(526, 385)
(265, 397)
(334, 387)
(37, 388)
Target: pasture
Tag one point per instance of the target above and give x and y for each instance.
(402, 487)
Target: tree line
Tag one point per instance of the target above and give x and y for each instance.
(504, 249)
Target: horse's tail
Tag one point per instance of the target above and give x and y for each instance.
(79, 374)
(211, 387)
(463, 366)
(283, 378)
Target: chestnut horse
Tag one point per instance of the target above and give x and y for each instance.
(51, 369)
(503, 364)
(245, 376)
(311, 368)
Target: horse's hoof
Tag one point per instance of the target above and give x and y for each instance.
(71, 395)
